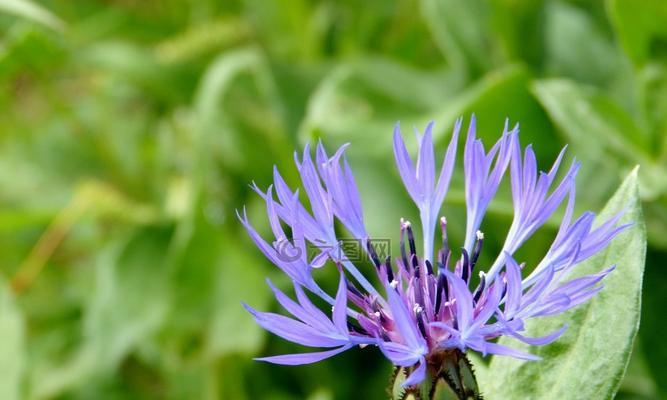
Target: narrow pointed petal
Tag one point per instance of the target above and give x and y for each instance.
(417, 376)
(303, 358)
(340, 307)
(499, 349)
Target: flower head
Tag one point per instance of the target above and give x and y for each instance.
(426, 305)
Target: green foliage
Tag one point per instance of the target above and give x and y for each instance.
(12, 345)
(130, 131)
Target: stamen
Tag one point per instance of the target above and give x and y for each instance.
(445, 241)
(390, 271)
(411, 238)
(504, 283)
(404, 255)
(418, 290)
(465, 265)
(476, 250)
(480, 287)
(442, 287)
(429, 267)
(373, 254)
(393, 284)
(444, 258)
(420, 321)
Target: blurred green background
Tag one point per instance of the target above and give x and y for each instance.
(130, 130)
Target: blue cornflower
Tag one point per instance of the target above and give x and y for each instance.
(426, 307)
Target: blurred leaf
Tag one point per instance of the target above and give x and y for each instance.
(131, 295)
(239, 112)
(641, 27)
(600, 130)
(128, 304)
(589, 117)
(11, 345)
(594, 60)
(288, 31)
(29, 51)
(519, 27)
(202, 39)
(652, 87)
(32, 11)
(501, 95)
(239, 279)
(600, 332)
(135, 65)
(461, 30)
(361, 102)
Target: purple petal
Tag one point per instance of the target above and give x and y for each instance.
(499, 349)
(303, 358)
(399, 354)
(405, 166)
(514, 291)
(295, 331)
(417, 376)
(317, 321)
(405, 324)
(340, 307)
(542, 340)
(463, 300)
(426, 164)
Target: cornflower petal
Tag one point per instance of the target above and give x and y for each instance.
(405, 324)
(483, 175)
(420, 181)
(304, 358)
(501, 350)
(417, 375)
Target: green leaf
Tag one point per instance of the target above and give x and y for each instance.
(461, 30)
(519, 26)
(11, 345)
(239, 279)
(652, 88)
(362, 101)
(640, 26)
(590, 359)
(604, 135)
(591, 118)
(128, 305)
(238, 96)
(130, 63)
(131, 295)
(32, 11)
(595, 60)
